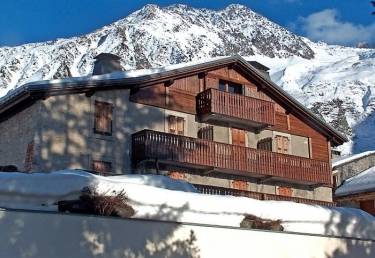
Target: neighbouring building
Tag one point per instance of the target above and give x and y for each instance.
(354, 181)
(222, 125)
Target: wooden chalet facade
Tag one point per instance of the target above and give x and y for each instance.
(221, 125)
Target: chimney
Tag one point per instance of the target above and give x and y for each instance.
(106, 63)
(261, 68)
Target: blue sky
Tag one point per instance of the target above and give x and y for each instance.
(345, 22)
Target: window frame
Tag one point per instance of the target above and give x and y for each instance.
(109, 116)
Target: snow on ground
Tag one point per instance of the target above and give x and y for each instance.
(346, 159)
(363, 182)
(159, 197)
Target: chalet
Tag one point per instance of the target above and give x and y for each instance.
(222, 125)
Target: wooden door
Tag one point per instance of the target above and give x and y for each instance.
(368, 206)
(238, 137)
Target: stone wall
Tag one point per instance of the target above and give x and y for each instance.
(17, 134)
(352, 168)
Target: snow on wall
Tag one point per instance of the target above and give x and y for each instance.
(152, 197)
(363, 182)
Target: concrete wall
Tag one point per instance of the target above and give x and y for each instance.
(16, 133)
(46, 235)
(68, 137)
(350, 169)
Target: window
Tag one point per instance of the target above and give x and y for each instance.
(282, 144)
(103, 118)
(231, 87)
(285, 191)
(177, 175)
(239, 185)
(265, 144)
(176, 125)
(234, 88)
(222, 85)
(102, 167)
(206, 133)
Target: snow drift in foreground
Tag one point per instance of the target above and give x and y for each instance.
(159, 197)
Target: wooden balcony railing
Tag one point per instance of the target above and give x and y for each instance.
(235, 106)
(215, 190)
(209, 155)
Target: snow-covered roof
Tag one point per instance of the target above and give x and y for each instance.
(162, 198)
(363, 182)
(141, 78)
(347, 159)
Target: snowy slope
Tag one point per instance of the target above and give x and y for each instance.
(336, 82)
(162, 198)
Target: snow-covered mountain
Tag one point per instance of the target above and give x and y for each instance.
(336, 82)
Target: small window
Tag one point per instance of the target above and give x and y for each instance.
(265, 144)
(176, 125)
(285, 191)
(222, 85)
(234, 88)
(102, 167)
(231, 87)
(103, 118)
(239, 185)
(177, 175)
(206, 133)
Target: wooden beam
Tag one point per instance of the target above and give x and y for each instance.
(265, 179)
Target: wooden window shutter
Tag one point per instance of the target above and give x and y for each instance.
(285, 191)
(172, 124)
(285, 145)
(103, 118)
(29, 157)
(282, 144)
(177, 175)
(180, 125)
(102, 167)
(239, 185)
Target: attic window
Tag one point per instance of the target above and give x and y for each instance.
(231, 87)
(103, 118)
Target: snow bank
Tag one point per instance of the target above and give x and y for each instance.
(346, 159)
(162, 198)
(363, 182)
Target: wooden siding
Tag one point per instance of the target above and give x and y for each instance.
(215, 190)
(180, 95)
(181, 150)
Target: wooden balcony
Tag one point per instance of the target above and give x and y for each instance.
(209, 156)
(228, 108)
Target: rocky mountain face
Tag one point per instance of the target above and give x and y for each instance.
(335, 82)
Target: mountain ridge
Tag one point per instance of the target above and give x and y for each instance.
(336, 82)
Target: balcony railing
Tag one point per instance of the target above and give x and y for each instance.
(210, 156)
(215, 190)
(215, 104)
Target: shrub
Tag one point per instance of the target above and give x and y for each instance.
(91, 202)
(254, 222)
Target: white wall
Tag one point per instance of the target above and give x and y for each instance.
(32, 234)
